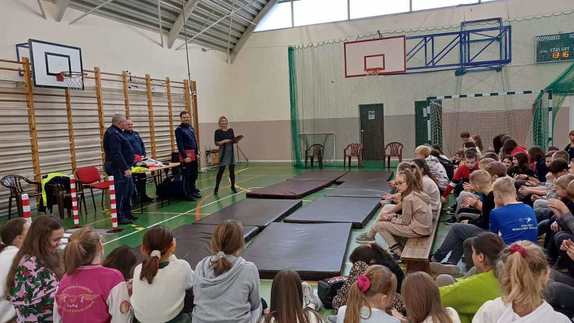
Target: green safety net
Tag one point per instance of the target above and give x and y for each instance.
(560, 88)
(294, 113)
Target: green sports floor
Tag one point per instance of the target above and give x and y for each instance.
(178, 213)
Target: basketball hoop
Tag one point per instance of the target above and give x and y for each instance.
(375, 71)
(71, 80)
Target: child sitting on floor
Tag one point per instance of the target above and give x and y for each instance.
(507, 161)
(89, 292)
(422, 299)
(12, 235)
(462, 174)
(437, 170)
(161, 282)
(124, 259)
(454, 242)
(287, 301)
(523, 277)
(362, 257)
(472, 206)
(520, 166)
(226, 286)
(511, 219)
(415, 220)
(467, 294)
(370, 298)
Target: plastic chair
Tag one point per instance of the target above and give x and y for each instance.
(353, 150)
(314, 151)
(58, 193)
(90, 177)
(16, 183)
(393, 149)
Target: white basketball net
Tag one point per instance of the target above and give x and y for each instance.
(72, 80)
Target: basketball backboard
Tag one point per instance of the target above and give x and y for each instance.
(375, 56)
(56, 65)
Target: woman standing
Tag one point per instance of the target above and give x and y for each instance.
(224, 139)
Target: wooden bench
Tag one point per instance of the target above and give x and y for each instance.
(416, 252)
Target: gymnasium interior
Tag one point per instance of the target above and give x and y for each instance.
(325, 99)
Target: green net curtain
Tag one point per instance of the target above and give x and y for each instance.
(296, 153)
(561, 87)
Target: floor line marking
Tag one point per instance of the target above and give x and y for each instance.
(176, 216)
(168, 219)
(138, 209)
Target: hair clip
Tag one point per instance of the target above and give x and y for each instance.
(155, 253)
(518, 248)
(219, 255)
(364, 283)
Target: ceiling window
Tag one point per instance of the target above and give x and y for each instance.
(293, 13)
(308, 12)
(370, 8)
(430, 4)
(278, 17)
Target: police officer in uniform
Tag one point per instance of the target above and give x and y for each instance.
(188, 154)
(119, 160)
(139, 149)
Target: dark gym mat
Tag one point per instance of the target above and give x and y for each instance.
(254, 212)
(289, 189)
(315, 251)
(318, 175)
(193, 241)
(357, 211)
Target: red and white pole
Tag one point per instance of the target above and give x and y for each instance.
(113, 211)
(26, 211)
(74, 196)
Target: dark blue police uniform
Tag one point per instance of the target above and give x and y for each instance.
(136, 141)
(139, 179)
(186, 140)
(119, 158)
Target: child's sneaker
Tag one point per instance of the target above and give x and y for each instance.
(365, 238)
(309, 298)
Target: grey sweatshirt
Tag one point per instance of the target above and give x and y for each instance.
(232, 297)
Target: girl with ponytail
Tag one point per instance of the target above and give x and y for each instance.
(370, 298)
(226, 286)
(523, 275)
(160, 282)
(89, 292)
(12, 236)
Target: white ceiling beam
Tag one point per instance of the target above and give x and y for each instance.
(90, 11)
(180, 21)
(250, 29)
(61, 6)
(211, 26)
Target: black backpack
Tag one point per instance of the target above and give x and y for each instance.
(448, 166)
(171, 188)
(328, 288)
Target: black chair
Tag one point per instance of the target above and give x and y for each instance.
(58, 193)
(314, 151)
(16, 184)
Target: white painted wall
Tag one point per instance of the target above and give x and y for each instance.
(115, 47)
(262, 64)
(256, 87)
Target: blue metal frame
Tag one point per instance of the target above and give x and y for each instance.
(468, 43)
